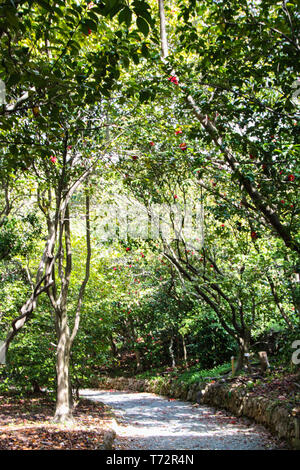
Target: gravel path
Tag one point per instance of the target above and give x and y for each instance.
(148, 422)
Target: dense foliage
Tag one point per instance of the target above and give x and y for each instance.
(100, 127)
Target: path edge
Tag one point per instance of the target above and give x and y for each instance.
(222, 395)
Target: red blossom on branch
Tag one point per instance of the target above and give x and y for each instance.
(173, 79)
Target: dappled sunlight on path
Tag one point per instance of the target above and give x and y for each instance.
(147, 421)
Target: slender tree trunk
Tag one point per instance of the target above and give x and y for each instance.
(36, 390)
(133, 337)
(138, 360)
(296, 290)
(163, 34)
(64, 401)
(113, 347)
(278, 302)
(171, 350)
(63, 411)
(244, 351)
(184, 350)
(42, 284)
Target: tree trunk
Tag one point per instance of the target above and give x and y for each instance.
(133, 337)
(43, 276)
(278, 302)
(296, 290)
(63, 411)
(171, 350)
(113, 347)
(163, 34)
(36, 390)
(243, 354)
(184, 350)
(138, 360)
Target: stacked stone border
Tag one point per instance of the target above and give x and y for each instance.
(222, 394)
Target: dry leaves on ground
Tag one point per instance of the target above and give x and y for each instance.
(25, 424)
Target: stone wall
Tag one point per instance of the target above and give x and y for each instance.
(223, 394)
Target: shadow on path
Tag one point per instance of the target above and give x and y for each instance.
(150, 422)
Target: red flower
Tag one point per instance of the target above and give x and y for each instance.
(253, 235)
(134, 157)
(179, 131)
(183, 146)
(69, 147)
(175, 196)
(251, 156)
(282, 201)
(89, 31)
(53, 159)
(128, 249)
(173, 79)
(151, 143)
(291, 177)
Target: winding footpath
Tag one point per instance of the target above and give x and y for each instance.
(150, 422)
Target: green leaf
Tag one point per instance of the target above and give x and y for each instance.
(145, 51)
(142, 25)
(13, 79)
(114, 10)
(135, 58)
(125, 16)
(45, 5)
(145, 95)
(90, 24)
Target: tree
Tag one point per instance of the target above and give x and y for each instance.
(44, 107)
